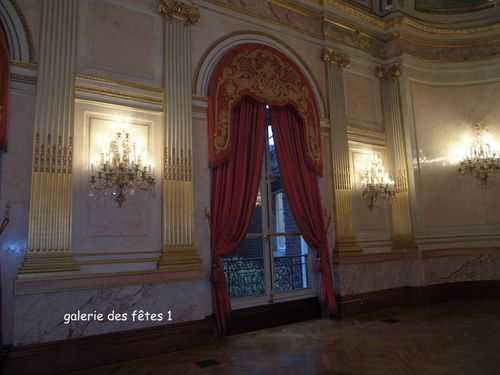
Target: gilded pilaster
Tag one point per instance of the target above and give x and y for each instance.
(179, 253)
(402, 236)
(346, 241)
(49, 242)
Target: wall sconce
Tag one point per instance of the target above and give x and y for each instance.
(121, 170)
(376, 182)
(481, 161)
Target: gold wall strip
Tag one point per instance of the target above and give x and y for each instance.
(345, 236)
(179, 253)
(402, 235)
(49, 241)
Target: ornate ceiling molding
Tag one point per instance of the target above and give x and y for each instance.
(336, 21)
(391, 71)
(177, 9)
(334, 57)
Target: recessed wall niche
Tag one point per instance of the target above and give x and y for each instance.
(443, 114)
(373, 227)
(121, 40)
(100, 227)
(363, 104)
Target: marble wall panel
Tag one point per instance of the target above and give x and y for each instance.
(15, 176)
(461, 268)
(40, 318)
(447, 203)
(368, 277)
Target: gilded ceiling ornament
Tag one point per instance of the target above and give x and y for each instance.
(395, 71)
(176, 9)
(380, 71)
(392, 71)
(333, 57)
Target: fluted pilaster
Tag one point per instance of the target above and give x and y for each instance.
(179, 253)
(49, 243)
(402, 236)
(345, 237)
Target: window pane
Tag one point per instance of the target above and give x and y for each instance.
(256, 221)
(245, 269)
(282, 216)
(291, 268)
(273, 168)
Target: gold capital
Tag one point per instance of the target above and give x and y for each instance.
(392, 71)
(334, 57)
(176, 9)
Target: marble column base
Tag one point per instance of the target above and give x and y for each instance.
(180, 259)
(347, 246)
(48, 263)
(404, 243)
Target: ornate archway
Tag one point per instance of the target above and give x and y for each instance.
(4, 88)
(269, 76)
(17, 32)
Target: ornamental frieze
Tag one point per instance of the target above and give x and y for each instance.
(371, 34)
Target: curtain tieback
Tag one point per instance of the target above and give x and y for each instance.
(217, 277)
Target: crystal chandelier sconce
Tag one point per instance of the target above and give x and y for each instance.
(376, 182)
(481, 160)
(121, 171)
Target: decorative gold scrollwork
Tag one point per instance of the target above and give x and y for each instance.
(177, 9)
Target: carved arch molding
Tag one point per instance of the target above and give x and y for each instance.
(270, 77)
(16, 29)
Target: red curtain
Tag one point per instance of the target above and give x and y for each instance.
(4, 89)
(301, 186)
(235, 186)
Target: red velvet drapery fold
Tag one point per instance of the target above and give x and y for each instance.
(301, 186)
(4, 88)
(235, 185)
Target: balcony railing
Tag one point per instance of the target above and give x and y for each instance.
(245, 276)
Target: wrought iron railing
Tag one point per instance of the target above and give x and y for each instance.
(245, 276)
(290, 273)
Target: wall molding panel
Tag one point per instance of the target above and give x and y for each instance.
(18, 34)
(131, 94)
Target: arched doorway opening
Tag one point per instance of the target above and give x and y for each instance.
(265, 155)
(4, 88)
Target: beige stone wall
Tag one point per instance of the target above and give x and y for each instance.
(120, 71)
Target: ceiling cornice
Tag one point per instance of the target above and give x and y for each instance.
(338, 22)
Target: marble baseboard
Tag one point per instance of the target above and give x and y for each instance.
(353, 279)
(367, 277)
(462, 268)
(39, 318)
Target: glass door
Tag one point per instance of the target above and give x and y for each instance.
(273, 262)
